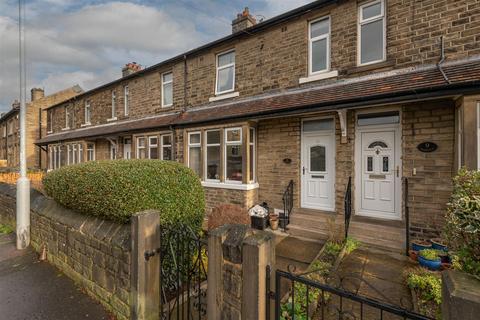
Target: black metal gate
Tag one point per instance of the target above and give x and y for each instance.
(301, 298)
(183, 277)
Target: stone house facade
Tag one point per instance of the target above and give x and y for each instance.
(36, 124)
(381, 93)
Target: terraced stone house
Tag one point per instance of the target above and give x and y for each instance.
(36, 127)
(382, 93)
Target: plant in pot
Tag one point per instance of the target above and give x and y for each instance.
(273, 221)
(439, 244)
(430, 258)
(419, 245)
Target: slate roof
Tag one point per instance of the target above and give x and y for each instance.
(395, 86)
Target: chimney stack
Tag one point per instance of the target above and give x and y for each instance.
(243, 21)
(37, 93)
(16, 104)
(130, 68)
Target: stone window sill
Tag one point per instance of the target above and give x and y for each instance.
(65, 129)
(373, 66)
(85, 124)
(112, 119)
(49, 132)
(224, 96)
(232, 186)
(320, 76)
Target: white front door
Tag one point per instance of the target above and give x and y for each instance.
(318, 165)
(378, 165)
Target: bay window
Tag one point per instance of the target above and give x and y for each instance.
(167, 152)
(251, 144)
(371, 31)
(153, 147)
(212, 156)
(225, 73)
(319, 45)
(90, 152)
(194, 152)
(233, 155)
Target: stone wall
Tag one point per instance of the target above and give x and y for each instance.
(217, 196)
(96, 254)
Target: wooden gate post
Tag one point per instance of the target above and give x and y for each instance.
(145, 274)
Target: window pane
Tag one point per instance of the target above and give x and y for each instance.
(317, 158)
(252, 162)
(372, 11)
(369, 163)
(385, 164)
(227, 58)
(213, 137)
(378, 118)
(372, 41)
(141, 142)
(213, 162)
(167, 153)
(380, 144)
(225, 79)
(167, 77)
(153, 141)
(167, 139)
(319, 55)
(319, 28)
(195, 138)
(194, 160)
(234, 162)
(142, 153)
(234, 135)
(316, 125)
(154, 153)
(167, 94)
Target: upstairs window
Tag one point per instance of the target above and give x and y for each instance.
(114, 105)
(319, 45)
(371, 30)
(68, 118)
(126, 100)
(88, 114)
(50, 120)
(167, 89)
(225, 73)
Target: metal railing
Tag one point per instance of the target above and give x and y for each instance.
(348, 205)
(304, 298)
(287, 205)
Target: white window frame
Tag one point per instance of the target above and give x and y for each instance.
(232, 143)
(88, 113)
(362, 22)
(126, 102)
(50, 158)
(224, 67)
(163, 91)
(80, 153)
(150, 145)
(195, 145)
(114, 106)
(74, 153)
(312, 40)
(69, 150)
(91, 150)
(59, 155)
(253, 142)
(138, 147)
(219, 144)
(166, 145)
(50, 121)
(67, 118)
(478, 135)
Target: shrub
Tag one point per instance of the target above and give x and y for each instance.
(430, 254)
(114, 190)
(428, 284)
(227, 214)
(463, 221)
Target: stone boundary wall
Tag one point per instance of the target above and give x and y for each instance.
(95, 253)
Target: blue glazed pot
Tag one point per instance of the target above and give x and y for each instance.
(417, 246)
(430, 264)
(438, 245)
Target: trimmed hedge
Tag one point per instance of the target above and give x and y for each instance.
(116, 189)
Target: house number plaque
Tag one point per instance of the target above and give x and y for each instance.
(427, 146)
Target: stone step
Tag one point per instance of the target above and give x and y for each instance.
(307, 233)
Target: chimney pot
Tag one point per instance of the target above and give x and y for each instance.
(37, 93)
(130, 68)
(244, 20)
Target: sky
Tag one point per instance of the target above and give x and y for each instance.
(86, 42)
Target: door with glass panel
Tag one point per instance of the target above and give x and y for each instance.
(318, 164)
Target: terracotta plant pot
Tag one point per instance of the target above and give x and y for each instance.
(413, 255)
(274, 222)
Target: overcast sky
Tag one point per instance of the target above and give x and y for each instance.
(86, 42)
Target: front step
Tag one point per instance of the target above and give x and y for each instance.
(317, 227)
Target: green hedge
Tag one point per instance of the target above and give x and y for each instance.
(114, 190)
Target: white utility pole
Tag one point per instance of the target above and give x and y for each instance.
(23, 184)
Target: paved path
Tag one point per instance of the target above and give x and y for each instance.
(33, 290)
(377, 275)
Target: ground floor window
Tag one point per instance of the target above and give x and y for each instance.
(74, 153)
(155, 146)
(223, 155)
(55, 157)
(113, 150)
(90, 152)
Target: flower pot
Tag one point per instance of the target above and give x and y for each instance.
(430, 264)
(419, 245)
(274, 223)
(413, 255)
(444, 258)
(438, 244)
(446, 266)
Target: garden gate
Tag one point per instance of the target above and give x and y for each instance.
(183, 273)
(299, 297)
